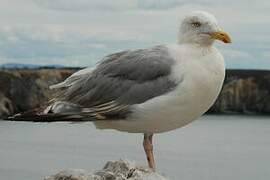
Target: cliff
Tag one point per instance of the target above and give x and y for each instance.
(24, 89)
(244, 91)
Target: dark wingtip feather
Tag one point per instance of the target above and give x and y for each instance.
(52, 117)
(43, 118)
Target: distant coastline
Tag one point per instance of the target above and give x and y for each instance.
(21, 89)
(17, 66)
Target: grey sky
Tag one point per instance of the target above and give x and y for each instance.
(78, 33)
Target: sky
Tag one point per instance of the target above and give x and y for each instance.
(81, 32)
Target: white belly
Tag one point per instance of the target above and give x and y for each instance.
(191, 98)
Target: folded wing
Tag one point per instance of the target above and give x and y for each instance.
(119, 81)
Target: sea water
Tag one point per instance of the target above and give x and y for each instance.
(213, 148)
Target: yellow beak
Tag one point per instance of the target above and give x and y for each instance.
(222, 36)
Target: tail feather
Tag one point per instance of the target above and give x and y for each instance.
(50, 118)
(65, 111)
(55, 112)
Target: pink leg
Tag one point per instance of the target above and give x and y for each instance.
(148, 148)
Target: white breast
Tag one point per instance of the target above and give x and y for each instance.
(201, 72)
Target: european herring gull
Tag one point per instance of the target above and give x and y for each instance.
(147, 91)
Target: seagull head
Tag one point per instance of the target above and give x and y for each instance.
(201, 28)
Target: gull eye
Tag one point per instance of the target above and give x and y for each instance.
(196, 24)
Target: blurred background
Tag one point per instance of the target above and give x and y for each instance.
(44, 41)
(78, 33)
(55, 38)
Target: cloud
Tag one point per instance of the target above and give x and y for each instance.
(241, 59)
(167, 4)
(68, 33)
(266, 55)
(85, 5)
(54, 44)
(123, 5)
(83, 31)
(236, 54)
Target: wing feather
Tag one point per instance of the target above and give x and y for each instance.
(121, 80)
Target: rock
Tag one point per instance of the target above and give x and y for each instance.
(75, 174)
(117, 170)
(6, 107)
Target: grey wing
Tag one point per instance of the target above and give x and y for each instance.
(121, 80)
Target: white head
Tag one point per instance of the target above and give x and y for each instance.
(201, 28)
